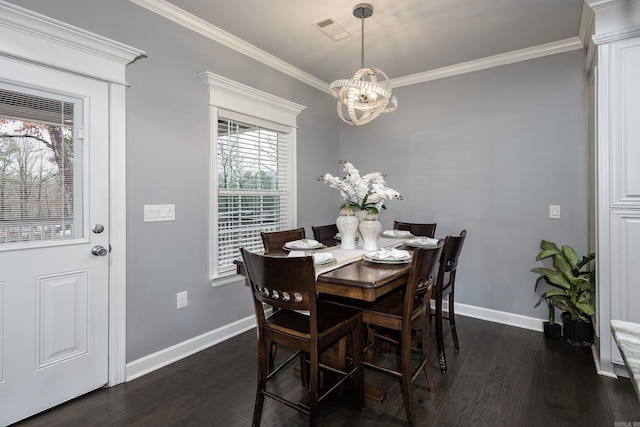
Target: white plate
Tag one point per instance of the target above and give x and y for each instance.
(294, 246)
(386, 260)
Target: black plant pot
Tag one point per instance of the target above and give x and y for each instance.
(552, 330)
(577, 332)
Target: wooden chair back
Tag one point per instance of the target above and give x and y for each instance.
(417, 229)
(286, 283)
(424, 269)
(325, 233)
(273, 241)
(449, 261)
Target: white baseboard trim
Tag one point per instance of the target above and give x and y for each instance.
(511, 319)
(162, 358)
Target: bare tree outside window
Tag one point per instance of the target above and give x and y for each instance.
(36, 181)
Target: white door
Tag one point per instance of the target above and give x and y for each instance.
(54, 209)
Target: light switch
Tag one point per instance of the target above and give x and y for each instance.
(554, 211)
(153, 213)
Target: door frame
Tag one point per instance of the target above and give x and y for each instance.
(47, 42)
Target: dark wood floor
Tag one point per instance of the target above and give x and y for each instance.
(503, 376)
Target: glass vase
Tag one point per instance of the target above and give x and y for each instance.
(347, 224)
(370, 229)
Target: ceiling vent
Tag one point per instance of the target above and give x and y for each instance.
(332, 29)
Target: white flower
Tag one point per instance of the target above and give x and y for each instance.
(361, 192)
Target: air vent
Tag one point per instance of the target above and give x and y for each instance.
(332, 29)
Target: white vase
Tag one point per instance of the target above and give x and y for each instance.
(347, 224)
(370, 229)
(360, 214)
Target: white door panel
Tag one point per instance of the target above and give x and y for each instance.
(53, 291)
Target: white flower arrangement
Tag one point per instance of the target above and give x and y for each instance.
(366, 192)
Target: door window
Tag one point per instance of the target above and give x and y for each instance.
(41, 160)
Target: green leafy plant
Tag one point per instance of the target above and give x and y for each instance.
(573, 284)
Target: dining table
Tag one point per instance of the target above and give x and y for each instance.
(353, 275)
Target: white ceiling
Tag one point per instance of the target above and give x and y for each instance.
(403, 37)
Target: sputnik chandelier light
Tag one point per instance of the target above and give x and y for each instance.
(367, 94)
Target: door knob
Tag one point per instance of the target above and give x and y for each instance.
(97, 228)
(99, 250)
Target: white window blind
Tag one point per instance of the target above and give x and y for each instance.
(253, 184)
(37, 166)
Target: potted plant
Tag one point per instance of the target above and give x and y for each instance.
(551, 328)
(573, 286)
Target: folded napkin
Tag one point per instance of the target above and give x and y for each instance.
(423, 241)
(318, 258)
(397, 233)
(390, 254)
(322, 257)
(304, 243)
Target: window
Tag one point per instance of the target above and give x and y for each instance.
(40, 201)
(252, 169)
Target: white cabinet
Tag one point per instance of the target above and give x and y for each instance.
(616, 137)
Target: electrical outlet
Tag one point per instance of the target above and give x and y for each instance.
(183, 300)
(554, 211)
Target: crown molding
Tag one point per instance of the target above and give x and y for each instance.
(179, 16)
(597, 5)
(204, 28)
(585, 33)
(66, 47)
(566, 45)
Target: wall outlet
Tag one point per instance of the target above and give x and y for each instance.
(554, 211)
(183, 300)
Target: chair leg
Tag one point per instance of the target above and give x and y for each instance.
(358, 377)
(272, 355)
(263, 371)
(407, 388)
(313, 388)
(425, 352)
(341, 363)
(452, 323)
(440, 336)
(370, 343)
(304, 369)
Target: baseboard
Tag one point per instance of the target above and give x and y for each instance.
(503, 317)
(164, 357)
(620, 370)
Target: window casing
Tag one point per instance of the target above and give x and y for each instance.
(253, 186)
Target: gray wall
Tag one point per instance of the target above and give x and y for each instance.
(487, 151)
(167, 162)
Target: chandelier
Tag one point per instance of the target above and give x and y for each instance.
(367, 94)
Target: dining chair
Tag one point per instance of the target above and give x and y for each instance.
(417, 229)
(400, 312)
(445, 287)
(288, 284)
(324, 234)
(273, 241)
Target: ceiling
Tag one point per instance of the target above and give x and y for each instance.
(402, 38)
